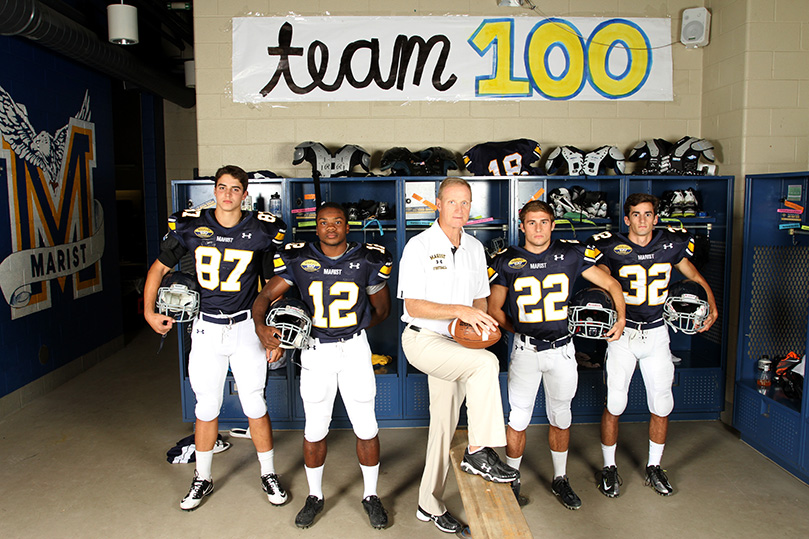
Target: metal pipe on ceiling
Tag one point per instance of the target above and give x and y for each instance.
(43, 25)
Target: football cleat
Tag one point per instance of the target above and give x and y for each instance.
(376, 513)
(609, 482)
(657, 479)
(199, 489)
(515, 488)
(487, 464)
(446, 522)
(689, 203)
(306, 516)
(677, 204)
(275, 492)
(561, 487)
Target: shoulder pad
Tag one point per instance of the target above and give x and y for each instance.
(183, 217)
(602, 239)
(377, 254)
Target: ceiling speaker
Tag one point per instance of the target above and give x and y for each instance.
(696, 27)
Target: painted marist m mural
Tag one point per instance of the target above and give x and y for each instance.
(56, 225)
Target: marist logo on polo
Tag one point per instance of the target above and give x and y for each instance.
(56, 226)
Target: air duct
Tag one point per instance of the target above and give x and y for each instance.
(39, 23)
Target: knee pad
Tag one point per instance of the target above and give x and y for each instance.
(616, 401)
(366, 432)
(207, 408)
(519, 418)
(315, 429)
(253, 404)
(559, 414)
(662, 403)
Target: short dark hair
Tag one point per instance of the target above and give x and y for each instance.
(233, 170)
(332, 205)
(536, 205)
(639, 198)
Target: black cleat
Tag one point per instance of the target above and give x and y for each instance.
(515, 488)
(376, 513)
(561, 487)
(446, 522)
(657, 479)
(199, 489)
(609, 483)
(306, 516)
(488, 465)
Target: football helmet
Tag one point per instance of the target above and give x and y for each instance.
(290, 317)
(178, 296)
(591, 314)
(686, 307)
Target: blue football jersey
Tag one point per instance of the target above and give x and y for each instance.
(644, 272)
(540, 285)
(507, 158)
(228, 261)
(335, 290)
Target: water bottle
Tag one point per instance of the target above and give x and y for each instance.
(275, 204)
(764, 379)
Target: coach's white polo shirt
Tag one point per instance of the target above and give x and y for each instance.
(429, 270)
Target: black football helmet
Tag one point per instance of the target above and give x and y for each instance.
(591, 314)
(686, 307)
(290, 316)
(178, 296)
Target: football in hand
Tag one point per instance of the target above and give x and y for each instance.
(464, 334)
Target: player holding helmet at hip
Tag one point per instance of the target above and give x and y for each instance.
(229, 247)
(533, 283)
(344, 287)
(642, 261)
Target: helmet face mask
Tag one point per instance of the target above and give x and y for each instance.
(291, 319)
(178, 297)
(686, 307)
(590, 314)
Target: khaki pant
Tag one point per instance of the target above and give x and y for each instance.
(454, 372)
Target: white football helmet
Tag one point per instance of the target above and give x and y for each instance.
(178, 297)
(290, 317)
(686, 307)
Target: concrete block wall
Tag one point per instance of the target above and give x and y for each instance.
(263, 136)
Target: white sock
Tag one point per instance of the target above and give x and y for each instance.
(204, 463)
(608, 452)
(370, 474)
(655, 453)
(473, 452)
(315, 478)
(514, 462)
(267, 461)
(559, 459)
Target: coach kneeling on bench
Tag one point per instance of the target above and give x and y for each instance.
(443, 276)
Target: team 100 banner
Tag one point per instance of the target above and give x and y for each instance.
(277, 59)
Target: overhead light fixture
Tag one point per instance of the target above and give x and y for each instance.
(190, 75)
(509, 3)
(122, 24)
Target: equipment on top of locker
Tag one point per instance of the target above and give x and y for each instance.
(434, 161)
(585, 163)
(680, 158)
(506, 158)
(326, 164)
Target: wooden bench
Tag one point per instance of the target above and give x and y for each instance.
(491, 508)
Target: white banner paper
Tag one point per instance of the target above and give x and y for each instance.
(277, 59)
